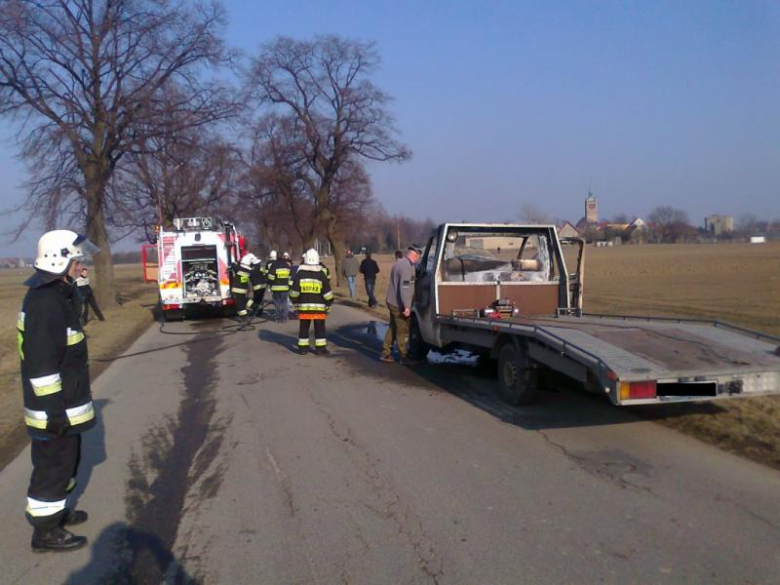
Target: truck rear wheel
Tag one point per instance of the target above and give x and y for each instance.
(516, 378)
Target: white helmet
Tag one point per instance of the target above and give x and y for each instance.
(248, 260)
(272, 255)
(311, 257)
(56, 250)
(286, 255)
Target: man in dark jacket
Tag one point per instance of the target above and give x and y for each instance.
(279, 281)
(87, 297)
(55, 380)
(369, 269)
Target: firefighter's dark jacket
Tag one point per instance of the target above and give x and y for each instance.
(310, 291)
(53, 351)
(279, 275)
(241, 280)
(258, 278)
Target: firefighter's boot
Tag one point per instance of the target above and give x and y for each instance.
(74, 517)
(56, 540)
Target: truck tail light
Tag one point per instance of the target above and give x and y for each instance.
(635, 390)
(168, 307)
(228, 302)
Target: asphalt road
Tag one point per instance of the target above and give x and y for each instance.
(224, 457)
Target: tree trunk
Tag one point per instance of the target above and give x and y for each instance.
(336, 240)
(105, 292)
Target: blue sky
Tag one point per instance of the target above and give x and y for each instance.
(647, 103)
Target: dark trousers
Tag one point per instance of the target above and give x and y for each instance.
(55, 463)
(370, 283)
(88, 300)
(280, 302)
(319, 333)
(259, 296)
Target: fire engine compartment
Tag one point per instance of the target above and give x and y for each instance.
(200, 272)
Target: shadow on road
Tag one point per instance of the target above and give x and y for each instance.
(93, 451)
(285, 340)
(111, 557)
(563, 404)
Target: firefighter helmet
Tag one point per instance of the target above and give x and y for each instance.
(311, 257)
(58, 248)
(248, 260)
(286, 255)
(272, 255)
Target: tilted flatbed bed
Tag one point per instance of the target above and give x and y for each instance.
(639, 360)
(504, 291)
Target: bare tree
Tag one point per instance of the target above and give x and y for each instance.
(277, 174)
(669, 224)
(529, 213)
(178, 177)
(325, 86)
(89, 81)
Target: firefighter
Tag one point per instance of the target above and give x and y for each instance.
(55, 380)
(311, 293)
(259, 282)
(279, 282)
(271, 260)
(242, 285)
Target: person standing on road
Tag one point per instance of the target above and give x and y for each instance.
(259, 282)
(241, 287)
(400, 295)
(369, 269)
(349, 268)
(279, 281)
(55, 381)
(87, 296)
(311, 293)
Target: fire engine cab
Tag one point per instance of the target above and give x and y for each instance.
(191, 264)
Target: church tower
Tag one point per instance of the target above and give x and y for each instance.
(591, 209)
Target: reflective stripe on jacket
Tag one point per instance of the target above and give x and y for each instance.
(279, 275)
(310, 291)
(54, 360)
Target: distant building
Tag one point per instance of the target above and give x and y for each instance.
(591, 217)
(591, 209)
(717, 225)
(567, 230)
(637, 231)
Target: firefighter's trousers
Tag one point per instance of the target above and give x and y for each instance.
(319, 332)
(258, 300)
(55, 462)
(244, 304)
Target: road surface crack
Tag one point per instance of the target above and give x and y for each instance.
(408, 524)
(599, 469)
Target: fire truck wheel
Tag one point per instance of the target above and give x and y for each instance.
(516, 378)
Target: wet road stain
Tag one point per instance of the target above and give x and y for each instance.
(176, 457)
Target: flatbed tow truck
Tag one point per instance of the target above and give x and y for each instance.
(505, 292)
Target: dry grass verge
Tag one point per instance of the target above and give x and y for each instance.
(122, 326)
(737, 283)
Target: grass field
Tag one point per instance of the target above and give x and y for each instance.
(738, 283)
